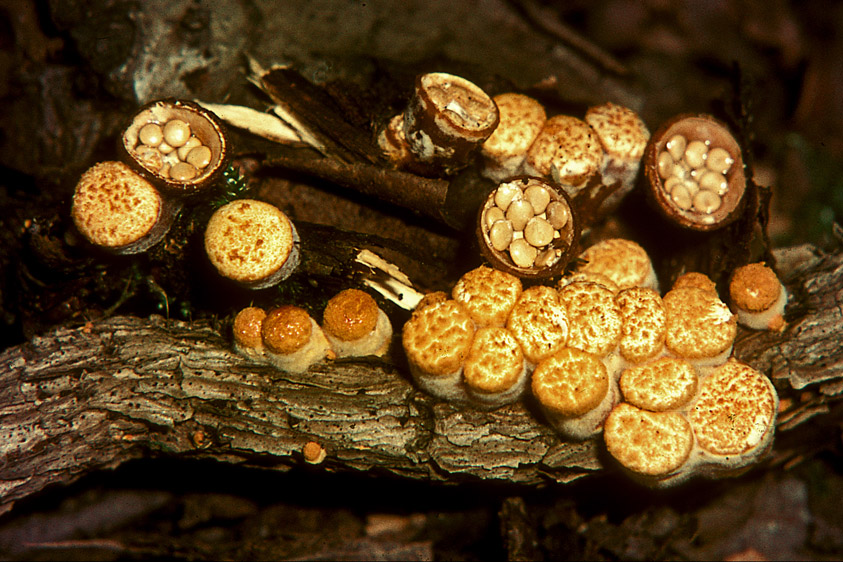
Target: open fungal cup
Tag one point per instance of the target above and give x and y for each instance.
(695, 172)
(252, 243)
(448, 118)
(527, 227)
(177, 145)
(355, 325)
(521, 119)
(119, 211)
(393, 143)
(758, 297)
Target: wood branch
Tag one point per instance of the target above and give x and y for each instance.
(423, 195)
(78, 400)
(313, 106)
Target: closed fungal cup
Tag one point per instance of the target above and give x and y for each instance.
(623, 261)
(247, 326)
(666, 384)
(119, 211)
(623, 136)
(654, 447)
(495, 371)
(521, 119)
(292, 340)
(488, 295)
(539, 322)
(674, 425)
(733, 418)
(649, 433)
(567, 150)
(699, 326)
(355, 325)
(643, 325)
(758, 297)
(594, 321)
(252, 243)
(575, 392)
(437, 339)
(696, 279)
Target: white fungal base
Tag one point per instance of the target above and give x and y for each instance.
(705, 364)
(256, 354)
(312, 352)
(448, 387)
(504, 169)
(615, 170)
(651, 281)
(590, 423)
(615, 364)
(497, 399)
(770, 319)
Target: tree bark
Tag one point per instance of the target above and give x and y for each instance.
(76, 400)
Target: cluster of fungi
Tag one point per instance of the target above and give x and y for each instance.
(603, 352)
(290, 339)
(171, 149)
(596, 347)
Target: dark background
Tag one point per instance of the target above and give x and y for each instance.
(72, 71)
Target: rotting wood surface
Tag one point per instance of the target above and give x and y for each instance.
(83, 399)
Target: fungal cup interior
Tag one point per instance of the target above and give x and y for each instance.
(705, 129)
(551, 258)
(202, 124)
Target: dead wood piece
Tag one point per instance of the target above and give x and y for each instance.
(320, 115)
(423, 195)
(78, 400)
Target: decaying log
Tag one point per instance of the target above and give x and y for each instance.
(83, 399)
